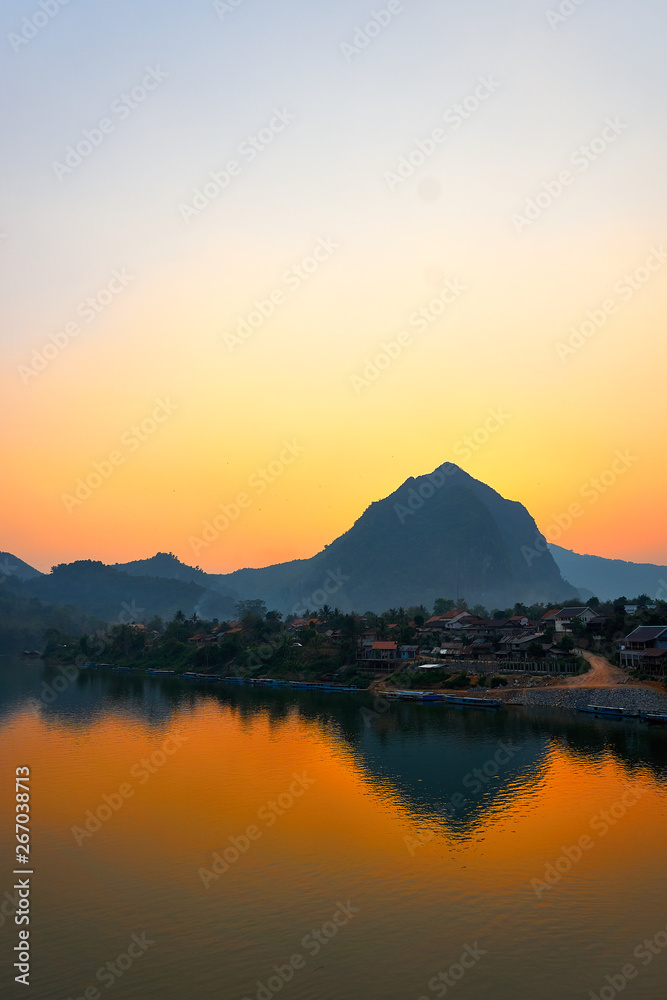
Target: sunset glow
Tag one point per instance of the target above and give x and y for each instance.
(516, 159)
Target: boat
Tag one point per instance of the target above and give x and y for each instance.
(611, 713)
(655, 718)
(156, 673)
(413, 695)
(468, 701)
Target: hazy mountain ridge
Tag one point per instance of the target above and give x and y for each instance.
(611, 578)
(12, 566)
(440, 535)
(113, 595)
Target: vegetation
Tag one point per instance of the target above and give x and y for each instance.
(258, 643)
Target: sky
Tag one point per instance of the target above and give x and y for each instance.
(261, 262)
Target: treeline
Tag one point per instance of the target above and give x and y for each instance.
(258, 642)
(260, 637)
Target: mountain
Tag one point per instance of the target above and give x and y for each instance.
(11, 566)
(115, 596)
(440, 535)
(611, 578)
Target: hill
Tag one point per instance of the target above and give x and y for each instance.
(114, 596)
(440, 535)
(610, 578)
(11, 566)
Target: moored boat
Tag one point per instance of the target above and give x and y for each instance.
(609, 712)
(468, 701)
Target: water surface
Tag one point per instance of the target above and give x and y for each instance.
(375, 849)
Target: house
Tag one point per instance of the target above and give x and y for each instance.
(515, 647)
(563, 619)
(633, 609)
(446, 620)
(645, 649)
(452, 649)
(300, 623)
(481, 650)
(380, 654)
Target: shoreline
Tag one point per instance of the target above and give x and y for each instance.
(634, 697)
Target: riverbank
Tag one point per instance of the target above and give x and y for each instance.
(633, 697)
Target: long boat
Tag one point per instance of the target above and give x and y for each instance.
(413, 695)
(468, 701)
(611, 713)
(655, 718)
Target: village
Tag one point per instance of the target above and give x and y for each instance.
(463, 642)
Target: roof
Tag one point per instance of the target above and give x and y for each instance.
(552, 613)
(646, 633)
(571, 612)
(384, 645)
(447, 616)
(653, 653)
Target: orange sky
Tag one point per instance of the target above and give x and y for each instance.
(256, 319)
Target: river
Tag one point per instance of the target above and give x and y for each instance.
(199, 842)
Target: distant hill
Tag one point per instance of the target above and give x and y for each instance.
(610, 578)
(24, 621)
(11, 566)
(441, 535)
(115, 596)
(166, 566)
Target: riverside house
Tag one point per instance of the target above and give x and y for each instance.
(645, 649)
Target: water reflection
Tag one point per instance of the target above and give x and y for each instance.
(450, 768)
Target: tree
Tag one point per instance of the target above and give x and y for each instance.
(442, 605)
(255, 607)
(350, 629)
(577, 627)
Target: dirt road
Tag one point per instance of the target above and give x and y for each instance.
(602, 674)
